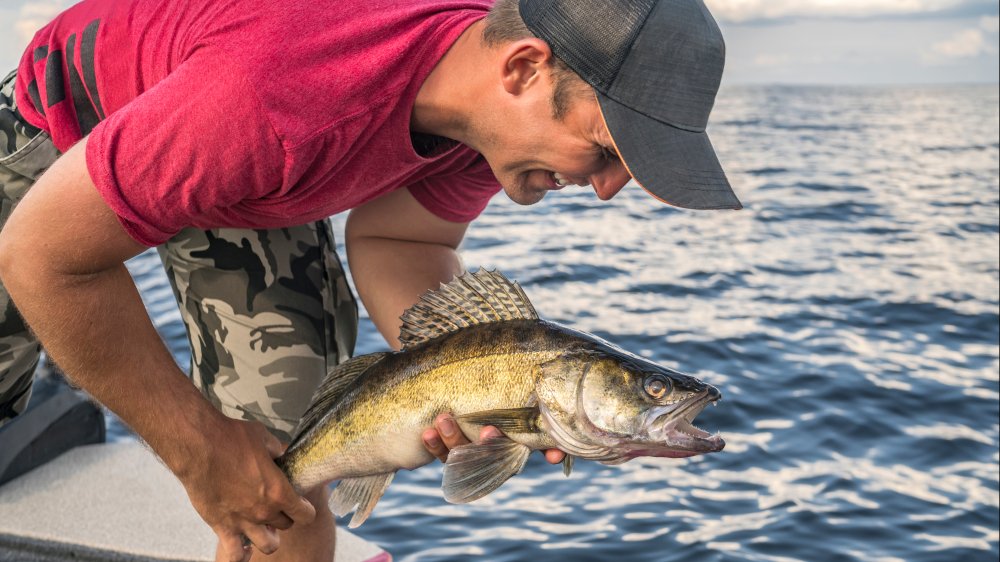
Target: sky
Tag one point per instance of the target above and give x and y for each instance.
(775, 41)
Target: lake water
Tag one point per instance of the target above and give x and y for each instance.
(849, 314)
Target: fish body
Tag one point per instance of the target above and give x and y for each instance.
(483, 367)
(476, 348)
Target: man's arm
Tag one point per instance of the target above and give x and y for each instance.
(61, 259)
(397, 250)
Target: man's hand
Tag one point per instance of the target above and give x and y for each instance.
(446, 435)
(68, 280)
(239, 491)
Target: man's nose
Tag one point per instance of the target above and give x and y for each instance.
(609, 181)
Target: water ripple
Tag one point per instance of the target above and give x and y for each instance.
(849, 314)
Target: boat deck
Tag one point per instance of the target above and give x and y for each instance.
(113, 502)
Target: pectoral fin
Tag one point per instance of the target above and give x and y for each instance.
(361, 493)
(568, 464)
(474, 470)
(511, 420)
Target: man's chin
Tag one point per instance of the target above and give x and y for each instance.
(525, 196)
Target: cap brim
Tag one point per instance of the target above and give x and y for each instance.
(676, 166)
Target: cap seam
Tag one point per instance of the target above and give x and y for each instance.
(630, 108)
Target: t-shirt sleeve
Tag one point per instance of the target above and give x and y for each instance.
(185, 150)
(461, 196)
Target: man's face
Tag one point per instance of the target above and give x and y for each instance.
(533, 152)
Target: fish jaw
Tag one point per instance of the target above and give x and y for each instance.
(670, 431)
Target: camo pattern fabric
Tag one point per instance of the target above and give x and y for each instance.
(268, 314)
(25, 152)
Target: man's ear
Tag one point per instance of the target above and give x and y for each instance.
(522, 63)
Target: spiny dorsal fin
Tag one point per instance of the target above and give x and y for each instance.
(470, 299)
(331, 389)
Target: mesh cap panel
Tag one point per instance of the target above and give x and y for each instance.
(592, 36)
(676, 66)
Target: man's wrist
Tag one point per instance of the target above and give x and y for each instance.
(185, 442)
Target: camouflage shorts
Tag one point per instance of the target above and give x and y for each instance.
(267, 312)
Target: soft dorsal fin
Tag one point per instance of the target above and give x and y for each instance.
(331, 389)
(469, 299)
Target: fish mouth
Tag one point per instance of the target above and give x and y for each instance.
(672, 432)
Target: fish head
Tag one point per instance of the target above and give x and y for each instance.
(647, 408)
(614, 406)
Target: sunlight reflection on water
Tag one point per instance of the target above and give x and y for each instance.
(849, 315)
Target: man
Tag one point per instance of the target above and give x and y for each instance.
(225, 133)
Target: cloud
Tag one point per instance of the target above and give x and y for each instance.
(964, 44)
(751, 10)
(990, 23)
(770, 59)
(34, 15)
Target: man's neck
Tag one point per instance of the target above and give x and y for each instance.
(453, 91)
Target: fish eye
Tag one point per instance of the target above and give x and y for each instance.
(657, 387)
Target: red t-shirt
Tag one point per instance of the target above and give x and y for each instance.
(250, 114)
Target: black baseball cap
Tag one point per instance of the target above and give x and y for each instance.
(656, 66)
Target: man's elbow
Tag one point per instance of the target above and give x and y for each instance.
(8, 253)
(16, 257)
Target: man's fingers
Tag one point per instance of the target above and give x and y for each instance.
(451, 435)
(231, 548)
(554, 456)
(263, 538)
(274, 447)
(281, 521)
(489, 432)
(299, 510)
(432, 442)
(446, 435)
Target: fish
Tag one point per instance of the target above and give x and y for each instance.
(477, 348)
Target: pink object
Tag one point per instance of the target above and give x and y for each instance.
(384, 557)
(249, 114)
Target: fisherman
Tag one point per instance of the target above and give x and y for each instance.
(225, 133)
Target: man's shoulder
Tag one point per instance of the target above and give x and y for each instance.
(316, 70)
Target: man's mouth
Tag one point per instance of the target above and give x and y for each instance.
(560, 181)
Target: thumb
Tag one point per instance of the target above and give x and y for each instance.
(274, 446)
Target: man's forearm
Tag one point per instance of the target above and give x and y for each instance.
(398, 250)
(392, 274)
(61, 255)
(96, 327)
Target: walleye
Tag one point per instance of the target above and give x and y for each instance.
(476, 348)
